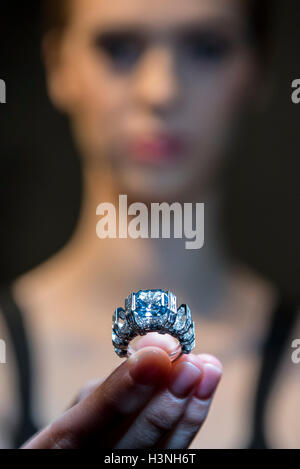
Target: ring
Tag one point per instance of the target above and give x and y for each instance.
(152, 311)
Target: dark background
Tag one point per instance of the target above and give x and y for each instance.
(40, 183)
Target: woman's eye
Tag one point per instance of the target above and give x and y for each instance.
(207, 48)
(123, 51)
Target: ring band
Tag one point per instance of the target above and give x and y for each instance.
(152, 311)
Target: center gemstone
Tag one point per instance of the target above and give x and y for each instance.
(151, 303)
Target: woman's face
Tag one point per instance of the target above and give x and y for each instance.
(154, 88)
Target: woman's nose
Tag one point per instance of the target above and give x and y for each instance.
(157, 83)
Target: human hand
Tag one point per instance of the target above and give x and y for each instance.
(147, 402)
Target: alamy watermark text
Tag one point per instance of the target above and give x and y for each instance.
(162, 219)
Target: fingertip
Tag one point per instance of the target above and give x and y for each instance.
(212, 371)
(210, 359)
(191, 358)
(153, 339)
(209, 382)
(149, 365)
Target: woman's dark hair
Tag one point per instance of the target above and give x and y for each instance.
(261, 15)
(56, 14)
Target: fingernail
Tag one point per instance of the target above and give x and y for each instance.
(210, 381)
(207, 358)
(147, 366)
(184, 378)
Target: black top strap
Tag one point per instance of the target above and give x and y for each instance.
(283, 321)
(18, 336)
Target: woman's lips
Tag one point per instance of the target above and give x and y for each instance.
(158, 149)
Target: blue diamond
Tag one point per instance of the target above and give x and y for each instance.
(151, 303)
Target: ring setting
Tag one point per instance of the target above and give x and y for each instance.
(152, 311)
